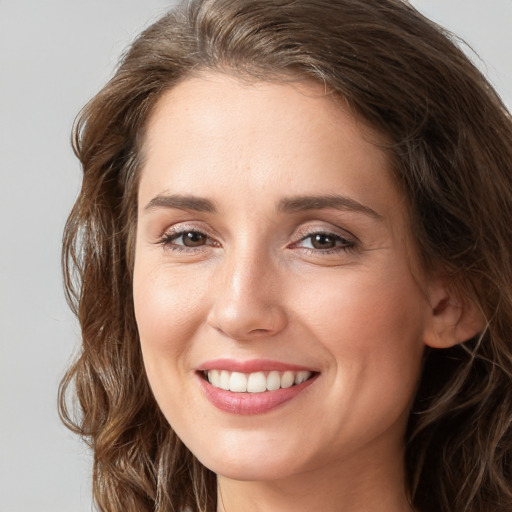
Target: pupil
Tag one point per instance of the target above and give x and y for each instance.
(194, 239)
(323, 242)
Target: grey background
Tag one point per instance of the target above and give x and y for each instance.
(54, 55)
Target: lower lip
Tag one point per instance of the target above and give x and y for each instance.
(251, 403)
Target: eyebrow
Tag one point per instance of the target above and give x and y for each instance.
(303, 203)
(285, 205)
(181, 202)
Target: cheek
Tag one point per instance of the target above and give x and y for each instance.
(373, 327)
(356, 304)
(168, 311)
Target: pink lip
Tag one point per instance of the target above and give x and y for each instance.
(254, 365)
(250, 403)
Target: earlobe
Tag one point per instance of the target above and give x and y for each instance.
(454, 319)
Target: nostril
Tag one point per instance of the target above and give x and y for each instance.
(259, 331)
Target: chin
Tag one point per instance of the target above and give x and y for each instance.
(250, 465)
(253, 470)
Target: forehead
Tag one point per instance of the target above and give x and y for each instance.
(213, 102)
(218, 129)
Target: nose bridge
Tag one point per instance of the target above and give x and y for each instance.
(246, 274)
(247, 302)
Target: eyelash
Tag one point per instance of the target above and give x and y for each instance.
(169, 238)
(345, 244)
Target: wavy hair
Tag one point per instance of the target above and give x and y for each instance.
(451, 144)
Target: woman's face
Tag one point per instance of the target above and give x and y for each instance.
(271, 248)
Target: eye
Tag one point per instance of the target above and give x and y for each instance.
(185, 239)
(324, 241)
(190, 239)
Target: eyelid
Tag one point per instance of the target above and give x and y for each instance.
(175, 231)
(181, 227)
(313, 229)
(344, 241)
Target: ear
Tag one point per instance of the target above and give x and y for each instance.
(454, 318)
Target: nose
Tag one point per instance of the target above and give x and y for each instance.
(247, 299)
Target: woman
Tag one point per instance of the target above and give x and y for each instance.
(290, 259)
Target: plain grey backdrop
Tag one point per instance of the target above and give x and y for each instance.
(54, 55)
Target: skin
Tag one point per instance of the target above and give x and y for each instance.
(257, 287)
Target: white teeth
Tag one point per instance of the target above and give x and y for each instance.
(287, 380)
(224, 380)
(214, 378)
(273, 381)
(302, 377)
(238, 382)
(256, 382)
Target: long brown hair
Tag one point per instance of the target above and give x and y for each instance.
(452, 152)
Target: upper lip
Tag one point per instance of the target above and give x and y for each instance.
(251, 366)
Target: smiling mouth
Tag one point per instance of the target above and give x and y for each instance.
(255, 382)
